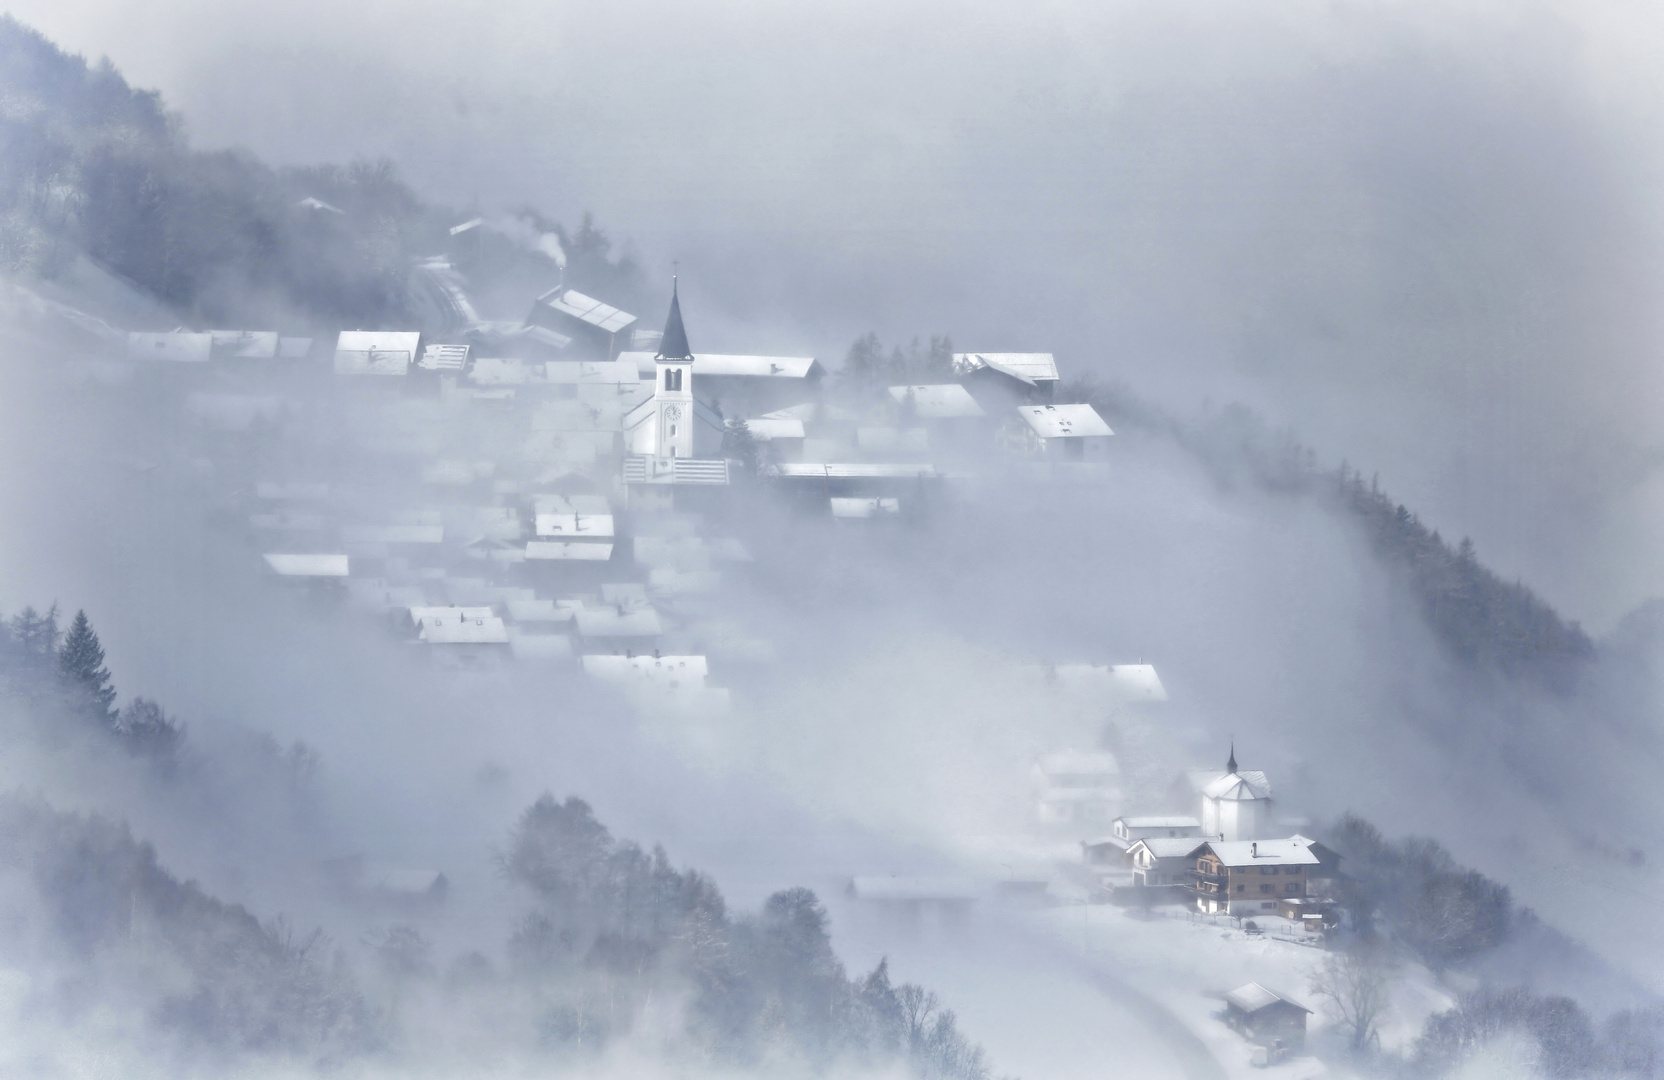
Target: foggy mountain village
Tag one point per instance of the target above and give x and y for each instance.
(444, 640)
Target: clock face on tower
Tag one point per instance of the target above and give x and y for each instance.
(672, 412)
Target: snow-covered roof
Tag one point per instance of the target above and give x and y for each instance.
(587, 309)
(478, 629)
(613, 622)
(553, 339)
(1253, 997)
(1244, 786)
(767, 428)
(375, 352)
(308, 565)
(1168, 847)
(438, 613)
(672, 671)
(1028, 367)
(591, 372)
(1160, 822)
(852, 471)
(865, 508)
(722, 365)
(245, 344)
(576, 550)
(177, 346)
(443, 357)
(573, 516)
(1262, 853)
(806, 411)
(1063, 421)
(762, 367)
(499, 371)
(914, 888)
(939, 401)
(497, 522)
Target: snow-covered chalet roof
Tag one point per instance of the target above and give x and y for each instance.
(1030, 368)
(587, 309)
(1252, 997)
(1244, 786)
(939, 401)
(1168, 847)
(1262, 853)
(1160, 822)
(1063, 421)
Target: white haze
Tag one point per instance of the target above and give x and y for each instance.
(1421, 235)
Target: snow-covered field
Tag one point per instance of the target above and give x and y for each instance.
(1186, 964)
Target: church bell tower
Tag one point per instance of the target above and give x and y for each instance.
(673, 389)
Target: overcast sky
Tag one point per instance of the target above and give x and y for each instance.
(1422, 234)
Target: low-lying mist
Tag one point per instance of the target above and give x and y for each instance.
(1411, 242)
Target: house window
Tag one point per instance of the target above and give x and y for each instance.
(1266, 888)
(1291, 887)
(1242, 888)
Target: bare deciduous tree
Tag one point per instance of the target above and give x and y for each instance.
(1353, 982)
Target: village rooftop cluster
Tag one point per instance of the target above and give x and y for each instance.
(569, 473)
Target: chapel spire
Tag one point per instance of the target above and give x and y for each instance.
(1230, 766)
(674, 344)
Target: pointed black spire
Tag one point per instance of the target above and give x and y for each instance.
(1230, 766)
(674, 344)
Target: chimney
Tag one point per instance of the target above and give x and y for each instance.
(1254, 849)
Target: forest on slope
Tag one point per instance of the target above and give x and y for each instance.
(220, 236)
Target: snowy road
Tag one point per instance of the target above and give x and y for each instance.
(1042, 1006)
(1191, 1053)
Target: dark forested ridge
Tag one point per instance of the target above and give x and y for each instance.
(1483, 621)
(91, 167)
(108, 908)
(609, 928)
(613, 925)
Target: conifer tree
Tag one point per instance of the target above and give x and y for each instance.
(81, 666)
(35, 634)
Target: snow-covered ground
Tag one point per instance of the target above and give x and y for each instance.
(1185, 964)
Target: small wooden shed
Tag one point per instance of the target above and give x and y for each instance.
(1268, 1018)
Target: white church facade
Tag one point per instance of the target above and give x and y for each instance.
(672, 425)
(1237, 805)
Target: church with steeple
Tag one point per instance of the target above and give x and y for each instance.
(673, 425)
(1236, 804)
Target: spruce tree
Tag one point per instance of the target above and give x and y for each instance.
(81, 666)
(35, 634)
